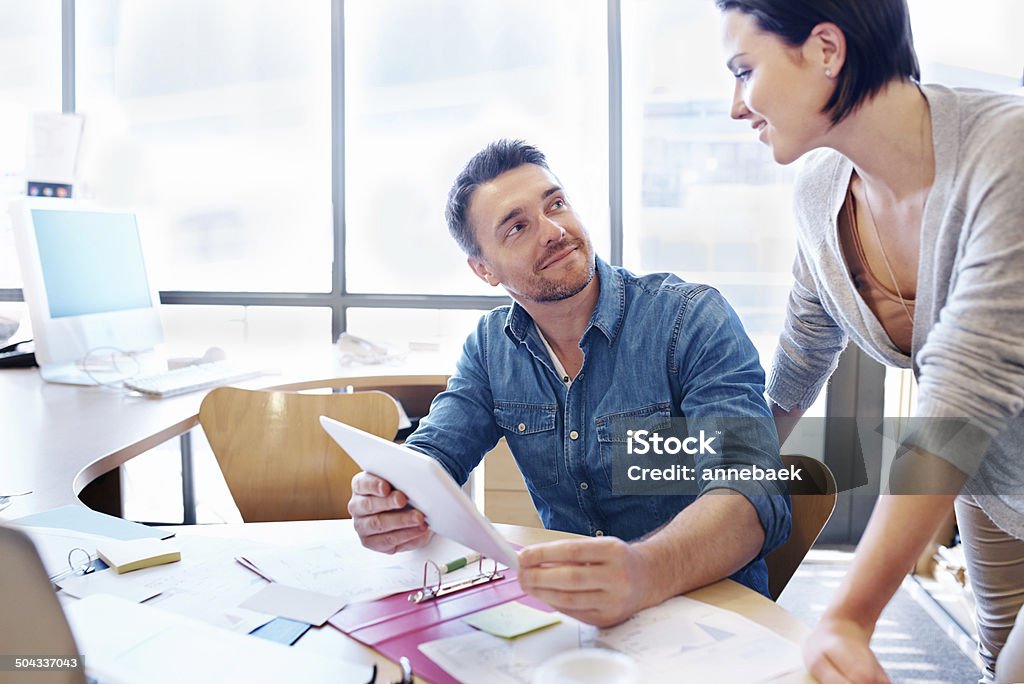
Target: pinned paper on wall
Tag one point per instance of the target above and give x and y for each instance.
(52, 149)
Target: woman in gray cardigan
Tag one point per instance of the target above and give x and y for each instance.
(910, 209)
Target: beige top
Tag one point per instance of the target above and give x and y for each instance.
(879, 296)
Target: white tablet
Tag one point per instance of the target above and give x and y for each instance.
(430, 489)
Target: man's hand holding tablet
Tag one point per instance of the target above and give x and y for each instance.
(404, 496)
(382, 517)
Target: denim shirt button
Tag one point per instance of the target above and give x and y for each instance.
(574, 435)
(584, 486)
(599, 533)
(522, 427)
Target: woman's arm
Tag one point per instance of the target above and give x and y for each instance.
(785, 420)
(899, 529)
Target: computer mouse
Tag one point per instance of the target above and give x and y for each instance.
(214, 354)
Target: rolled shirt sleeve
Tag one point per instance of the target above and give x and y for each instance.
(722, 384)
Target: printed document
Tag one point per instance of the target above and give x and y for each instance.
(679, 636)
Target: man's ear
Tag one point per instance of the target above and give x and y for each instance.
(826, 47)
(482, 271)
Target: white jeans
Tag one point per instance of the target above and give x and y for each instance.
(995, 567)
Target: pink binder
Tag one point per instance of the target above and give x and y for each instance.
(395, 626)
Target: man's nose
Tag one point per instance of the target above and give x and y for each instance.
(739, 108)
(552, 231)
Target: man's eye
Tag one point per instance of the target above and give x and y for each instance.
(558, 204)
(515, 229)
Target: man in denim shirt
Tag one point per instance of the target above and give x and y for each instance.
(586, 345)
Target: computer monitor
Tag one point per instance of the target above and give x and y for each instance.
(84, 280)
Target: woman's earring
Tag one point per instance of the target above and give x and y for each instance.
(828, 73)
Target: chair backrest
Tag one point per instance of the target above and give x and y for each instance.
(276, 459)
(32, 622)
(814, 499)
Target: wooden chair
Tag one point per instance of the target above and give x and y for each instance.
(814, 499)
(414, 392)
(277, 461)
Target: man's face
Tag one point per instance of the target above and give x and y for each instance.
(531, 241)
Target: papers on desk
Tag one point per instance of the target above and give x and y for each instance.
(679, 636)
(207, 584)
(706, 642)
(483, 657)
(344, 569)
(105, 582)
(353, 573)
(127, 642)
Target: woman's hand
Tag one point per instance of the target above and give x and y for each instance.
(837, 652)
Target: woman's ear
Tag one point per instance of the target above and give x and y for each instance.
(826, 47)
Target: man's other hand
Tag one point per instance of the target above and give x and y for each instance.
(600, 581)
(383, 518)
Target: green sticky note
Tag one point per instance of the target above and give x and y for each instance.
(510, 620)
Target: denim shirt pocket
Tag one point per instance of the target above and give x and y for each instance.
(612, 427)
(530, 432)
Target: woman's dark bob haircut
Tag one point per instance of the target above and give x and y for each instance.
(879, 43)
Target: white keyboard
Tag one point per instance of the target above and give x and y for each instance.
(190, 378)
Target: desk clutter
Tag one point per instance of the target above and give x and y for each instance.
(219, 591)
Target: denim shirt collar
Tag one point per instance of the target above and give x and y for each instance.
(607, 316)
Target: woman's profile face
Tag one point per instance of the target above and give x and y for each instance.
(781, 90)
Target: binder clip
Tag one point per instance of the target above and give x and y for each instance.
(434, 589)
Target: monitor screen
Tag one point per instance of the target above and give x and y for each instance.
(91, 262)
(85, 282)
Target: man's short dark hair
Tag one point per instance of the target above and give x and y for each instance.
(486, 165)
(879, 42)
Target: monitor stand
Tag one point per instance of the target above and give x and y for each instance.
(73, 374)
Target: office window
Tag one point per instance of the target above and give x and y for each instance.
(214, 117)
(973, 44)
(299, 331)
(429, 83)
(701, 196)
(438, 332)
(29, 82)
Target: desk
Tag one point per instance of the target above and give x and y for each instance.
(66, 442)
(329, 641)
(59, 441)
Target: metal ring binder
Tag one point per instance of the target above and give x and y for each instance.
(432, 590)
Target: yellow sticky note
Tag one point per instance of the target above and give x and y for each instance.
(135, 554)
(511, 619)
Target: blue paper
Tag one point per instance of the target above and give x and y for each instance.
(282, 630)
(82, 519)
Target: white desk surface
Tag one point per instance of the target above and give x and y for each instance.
(56, 439)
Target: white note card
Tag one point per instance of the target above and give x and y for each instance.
(295, 604)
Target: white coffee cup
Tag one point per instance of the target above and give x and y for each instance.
(589, 666)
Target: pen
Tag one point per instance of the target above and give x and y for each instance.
(249, 565)
(453, 565)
